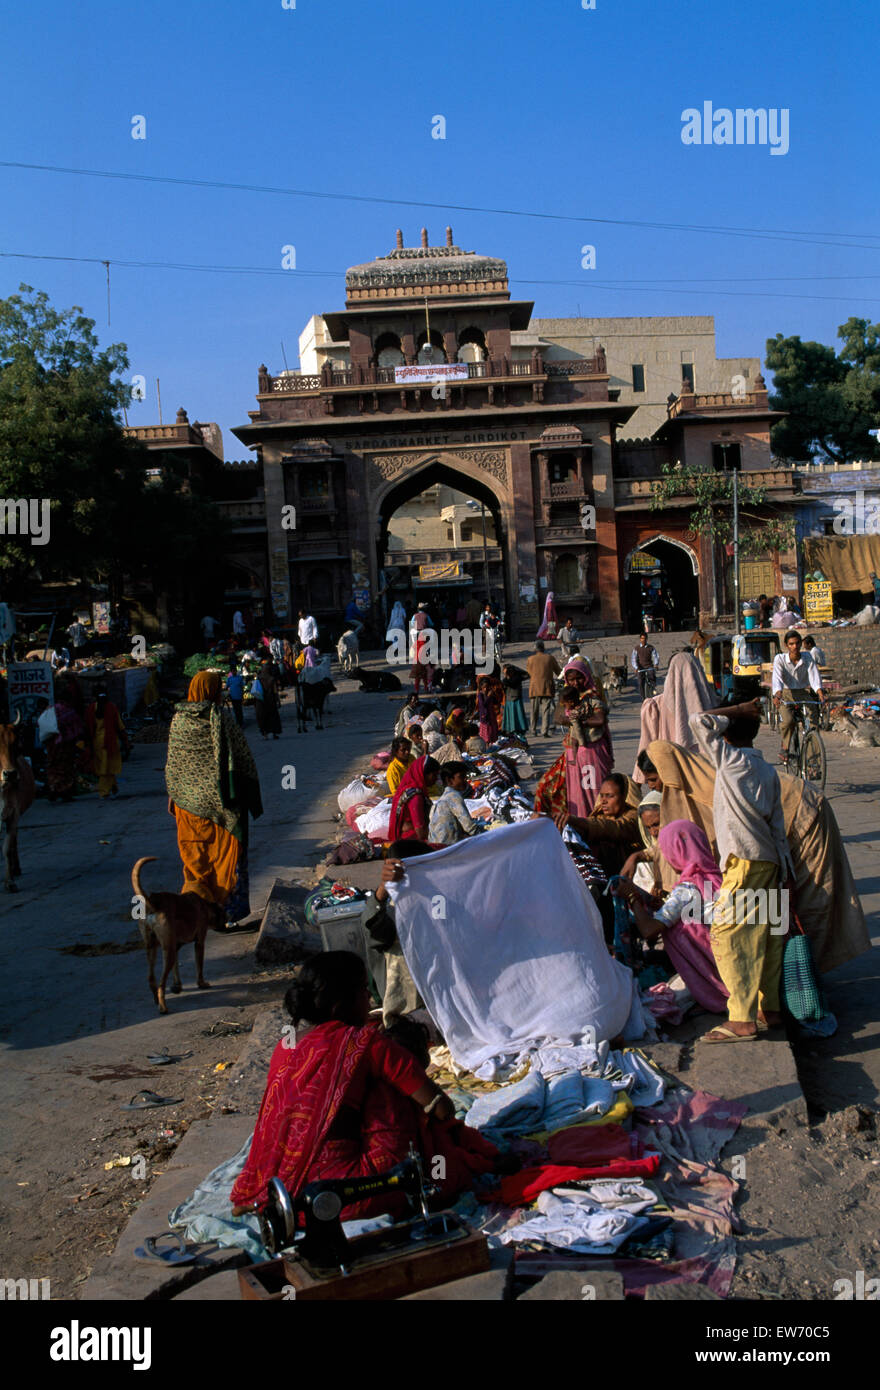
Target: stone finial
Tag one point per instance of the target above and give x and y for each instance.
(760, 383)
(425, 238)
(448, 236)
(399, 239)
(182, 417)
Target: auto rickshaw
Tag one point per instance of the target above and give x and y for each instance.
(733, 663)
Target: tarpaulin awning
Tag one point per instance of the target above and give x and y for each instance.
(846, 561)
(457, 582)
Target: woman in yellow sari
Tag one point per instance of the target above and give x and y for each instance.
(106, 732)
(212, 785)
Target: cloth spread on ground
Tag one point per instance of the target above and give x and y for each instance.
(523, 1187)
(542, 1103)
(575, 1221)
(827, 901)
(500, 974)
(689, 1129)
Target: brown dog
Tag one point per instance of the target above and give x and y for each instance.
(172, 920)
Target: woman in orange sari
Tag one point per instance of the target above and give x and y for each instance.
(345, 1100)
(212, 785)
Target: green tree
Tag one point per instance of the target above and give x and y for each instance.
(832, 399)
(61, 439)
(712, 510)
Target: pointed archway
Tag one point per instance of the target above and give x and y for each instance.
(675, 576)
(417, 479)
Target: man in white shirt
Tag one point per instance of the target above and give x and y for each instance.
(816, 653)
(750, 917)
(307, 628)
(238, 624)
(795, 677)
(209, 627)
(569, 639)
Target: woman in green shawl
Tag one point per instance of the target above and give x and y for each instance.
(212, 785)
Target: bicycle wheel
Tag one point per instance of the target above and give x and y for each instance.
(813, 760)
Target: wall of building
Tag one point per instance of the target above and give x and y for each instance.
(854, 653)
(660, 345)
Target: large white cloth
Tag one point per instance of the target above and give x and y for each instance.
(505, 946)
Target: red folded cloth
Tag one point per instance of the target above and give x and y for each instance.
(521, 1188)
(593, 1144)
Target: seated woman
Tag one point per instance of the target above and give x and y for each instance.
(643, 865)
(455, 723)
(450, 819)
(407, 715)
(411, 807)
(650, 776)
(474, 743)
(417, 740)
(686, 916)
(825, 892)
(401, 758)
(346, 1101)
(612, 832)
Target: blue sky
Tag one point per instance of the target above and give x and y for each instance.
(549, 108)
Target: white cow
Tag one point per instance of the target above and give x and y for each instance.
(348, 650)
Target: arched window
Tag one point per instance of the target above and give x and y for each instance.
(472, 346)
(388, 351)
(436, 352)
(566, 579)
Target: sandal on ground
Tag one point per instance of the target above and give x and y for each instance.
(148, 1100)
(175, 1252)
(726, 1035)
(161, 1059)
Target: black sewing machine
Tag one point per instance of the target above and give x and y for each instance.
(318, 1259)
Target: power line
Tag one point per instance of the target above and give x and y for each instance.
(611, 286)
(767, 234)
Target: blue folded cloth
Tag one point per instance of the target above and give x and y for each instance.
(565, 1100)
(515, 1109)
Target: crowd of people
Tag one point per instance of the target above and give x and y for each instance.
(667, 854)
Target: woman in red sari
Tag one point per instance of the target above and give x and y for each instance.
(347, 1101)
(411, 807)
(490, 702)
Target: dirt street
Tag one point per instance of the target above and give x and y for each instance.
(79, 1020)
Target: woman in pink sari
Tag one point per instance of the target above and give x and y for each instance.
(549, 623)
(685, 917)
(589, 757)
(343, 1100)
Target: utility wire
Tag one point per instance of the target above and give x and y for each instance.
(612, 286)
(767, 234)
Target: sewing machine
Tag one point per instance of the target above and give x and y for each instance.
(316, 1259)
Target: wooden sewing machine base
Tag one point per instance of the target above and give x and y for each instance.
(379, 1277)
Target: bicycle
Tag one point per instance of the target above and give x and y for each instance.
(806, 751)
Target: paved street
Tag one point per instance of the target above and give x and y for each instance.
(77, 1027)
